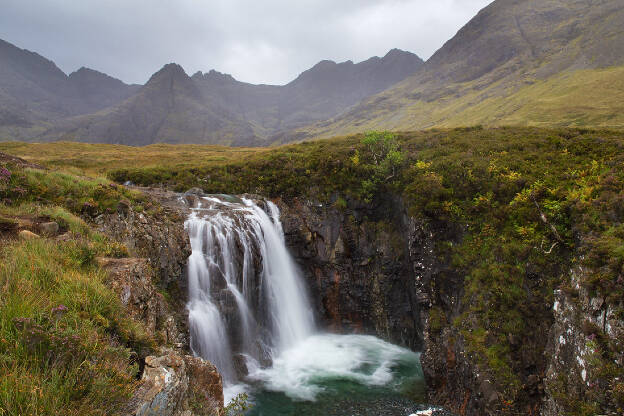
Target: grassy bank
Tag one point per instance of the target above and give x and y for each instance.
(66, 344)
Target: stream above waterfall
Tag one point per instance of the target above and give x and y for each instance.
(250, 316)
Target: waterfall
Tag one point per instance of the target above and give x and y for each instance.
(246, 297)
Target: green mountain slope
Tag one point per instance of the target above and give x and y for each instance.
(513, 53)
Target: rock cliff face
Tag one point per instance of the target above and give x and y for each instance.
(131, 279)
(159, 238)
(579, 347)
(356, 264)
(374, 269)
(173, 383)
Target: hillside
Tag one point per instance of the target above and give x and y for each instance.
(319, 93)
(518, 62)
(34, 92)
(169, 108)
(214, 108)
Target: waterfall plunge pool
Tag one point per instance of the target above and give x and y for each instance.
(337, 375)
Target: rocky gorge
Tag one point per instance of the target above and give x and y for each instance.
(375, 269)
(370, 269)
(533, 334)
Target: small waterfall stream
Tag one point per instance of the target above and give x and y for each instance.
(250, 316)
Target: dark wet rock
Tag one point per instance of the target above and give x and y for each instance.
(359, 266)
(8, 225)
(159, 238)
(195, 191)
(371, 268)
(48, 229)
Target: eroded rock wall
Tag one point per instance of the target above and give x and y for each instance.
(374, 269)
(581, 349)
(358, 268)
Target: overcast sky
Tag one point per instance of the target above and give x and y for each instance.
(258, 41)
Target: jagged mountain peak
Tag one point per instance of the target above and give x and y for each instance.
(85, 74)
(214, 76)
(169, 70)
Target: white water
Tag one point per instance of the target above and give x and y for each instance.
(233, 245)
(221, 233)
(300, 372)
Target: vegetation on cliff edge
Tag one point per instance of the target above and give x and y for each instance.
(66, 344)
(531, 204)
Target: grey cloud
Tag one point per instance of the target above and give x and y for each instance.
(267, 41)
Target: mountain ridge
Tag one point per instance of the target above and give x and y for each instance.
(216, 108)
(517, 62)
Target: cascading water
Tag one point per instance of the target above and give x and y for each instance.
(248, 308)
(270, 319)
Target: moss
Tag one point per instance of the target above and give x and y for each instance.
(437, 320)
(340, 204)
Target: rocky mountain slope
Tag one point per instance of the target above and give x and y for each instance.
(169, 108)
(38, 101)
(517, 62)
(215, 108)
(35, 92)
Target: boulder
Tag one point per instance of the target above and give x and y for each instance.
(205, 386)
(28, 235)
(174, 385)
(163, 387)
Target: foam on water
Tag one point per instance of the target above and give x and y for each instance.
(300, 372)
